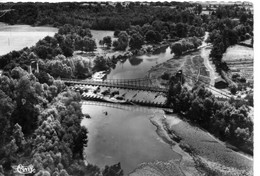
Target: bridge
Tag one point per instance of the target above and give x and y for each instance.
(144, 84)
(124, 106)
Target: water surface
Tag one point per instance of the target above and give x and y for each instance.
(124, 135)
(16, 37)
(138, 66)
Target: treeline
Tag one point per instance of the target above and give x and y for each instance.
(53, 54)
(159, 30)
(108, 17)
(136, 36)
(102, 17)
(227, 120)
(233, 11)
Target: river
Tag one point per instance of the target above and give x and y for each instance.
(138, 66)
(124, 135)
(16, 37)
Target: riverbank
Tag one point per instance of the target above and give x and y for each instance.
(210, 155)
(185, 166)
(207, 157)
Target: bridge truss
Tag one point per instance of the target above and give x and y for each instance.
(145, 84)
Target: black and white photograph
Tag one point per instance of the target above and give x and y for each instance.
(127, 88)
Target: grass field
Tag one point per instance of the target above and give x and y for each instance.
(240, 59)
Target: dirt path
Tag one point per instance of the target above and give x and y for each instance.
(205, 55)
(209, 67)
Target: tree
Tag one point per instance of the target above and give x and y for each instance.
(150, 36)
(81, 70)
(116, 33)
(122, 42)
(66, 50)
(116, 44)
(136, 41)
(58, 69)
(18, 73)
(100, 63)
(89, 44)
(6, 110)
(199, 9)
(181, 30)
(80, 142)
(243, 18)
(114, 170)
(18, 136)
(42, 51)
(107, 41)
(177, 48)
(85, 44)
(233, 89)
(26, 113)
(101, 42)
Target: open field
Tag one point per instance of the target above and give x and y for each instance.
(240, 59)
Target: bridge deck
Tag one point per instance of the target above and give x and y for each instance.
(125, 85)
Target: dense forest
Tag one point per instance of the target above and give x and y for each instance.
(40, 118)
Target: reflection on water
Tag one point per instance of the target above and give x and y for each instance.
(135, 61)
(123, 135)
(132, 69)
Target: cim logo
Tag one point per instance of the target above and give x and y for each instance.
(24, 169)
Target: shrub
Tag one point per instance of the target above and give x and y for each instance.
(233, 89)
(165, 76)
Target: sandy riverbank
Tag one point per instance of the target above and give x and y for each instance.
(185, 166)
(201, 153)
